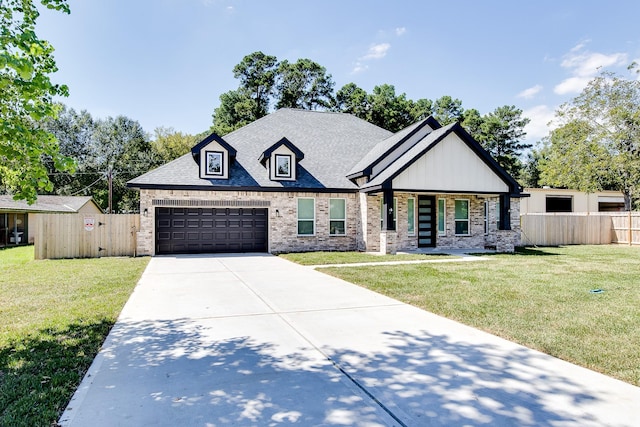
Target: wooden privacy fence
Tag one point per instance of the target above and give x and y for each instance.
(85, 235)
(603, 228)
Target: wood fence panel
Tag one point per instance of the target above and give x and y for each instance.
(566, 229)
(71, 236)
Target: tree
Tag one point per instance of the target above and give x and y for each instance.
(388, 110)
(26, 98)
(304, 84)
(169, 144)
(257, 74)
(447, 110)
(352, 99)
(122, 150)
(115, 149)
(597, 145)
(74, 132)
(530, 174)
(501, 134)
(236, 109)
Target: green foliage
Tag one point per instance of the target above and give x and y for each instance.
(26, 98)
(55, 316)
(304, 84)
(447, 110)
(99, 146)
(388, 110)
(257, 75)
(530, 174)
(501, 133)
(597, 145)
(236, 109)
(169, 144)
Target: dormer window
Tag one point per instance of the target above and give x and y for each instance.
(283, 166)
(281, 160)
(214, 157)
(215, 165)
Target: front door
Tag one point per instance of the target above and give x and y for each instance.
(426, 222)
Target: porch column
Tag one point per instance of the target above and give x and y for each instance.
(388, 235)
(387, 215)
(505, 212)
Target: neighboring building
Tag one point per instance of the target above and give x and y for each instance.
(300, 180)
(555, 200)
(17, 217)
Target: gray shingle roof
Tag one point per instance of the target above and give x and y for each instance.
(332, 143)
(410, 155)
(64, 204)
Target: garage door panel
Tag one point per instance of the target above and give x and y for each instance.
(201, 230)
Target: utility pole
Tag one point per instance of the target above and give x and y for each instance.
(110, 179)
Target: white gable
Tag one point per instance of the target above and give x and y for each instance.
(450, 166)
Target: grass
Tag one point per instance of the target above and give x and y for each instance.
(537, 297)
(54, 316)
(323, 258)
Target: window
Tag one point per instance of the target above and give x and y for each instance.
(442, 217)
(337, 217)
(498, 215)
(395, 211)
(559, 204)
(411, 216)
(306, 217)
(283, 166)
(486, 217)
(214, 163)
(462, 217)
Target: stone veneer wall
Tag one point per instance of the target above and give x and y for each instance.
(363, 226)
(502, 240)
(282, 229)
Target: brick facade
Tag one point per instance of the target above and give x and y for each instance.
(363, 230)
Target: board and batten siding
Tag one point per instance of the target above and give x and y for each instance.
(451, 166)
(65, 235)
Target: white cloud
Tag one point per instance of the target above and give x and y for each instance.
(541, 116)
(530, 92)
(376, 51)
(584, 66)
(572, 85)
(400, 31)
(359, 68)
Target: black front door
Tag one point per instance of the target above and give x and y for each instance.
(426, 221)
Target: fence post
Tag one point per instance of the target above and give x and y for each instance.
(630, 230)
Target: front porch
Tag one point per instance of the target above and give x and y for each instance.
(437, 222)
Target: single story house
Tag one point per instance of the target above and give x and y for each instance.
(17, 217)
(298, 180)
(557, 200)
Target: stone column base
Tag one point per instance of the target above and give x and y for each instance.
(388, 242)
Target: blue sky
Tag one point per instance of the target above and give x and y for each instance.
(166, 62)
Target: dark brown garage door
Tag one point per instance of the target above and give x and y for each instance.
(207, 230)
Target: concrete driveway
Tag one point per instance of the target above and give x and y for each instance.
(243, 340)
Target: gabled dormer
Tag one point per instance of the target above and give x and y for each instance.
(214, 157)
(281, 160)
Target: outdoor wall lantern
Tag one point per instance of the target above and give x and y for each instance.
(277, 213)
(145, 212)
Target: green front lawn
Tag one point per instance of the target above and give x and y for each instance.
(54, 316)
(537, 297)
(323, 258)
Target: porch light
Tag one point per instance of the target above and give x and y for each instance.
(145, 212)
